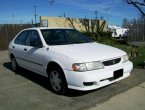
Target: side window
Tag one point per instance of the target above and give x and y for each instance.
(33, 39)
(21, 38)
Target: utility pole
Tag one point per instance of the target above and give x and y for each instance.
(101, 17)
(106, 10)
(35, 15)
(96, 14)
(13, 16)
(21, 22)
(52, 3)
(64, 15)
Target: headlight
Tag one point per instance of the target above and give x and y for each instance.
(87, 66)
(94, 65)
(124, 58)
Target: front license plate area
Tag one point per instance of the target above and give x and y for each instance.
(118, 73)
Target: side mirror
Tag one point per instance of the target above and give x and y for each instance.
(36, 43)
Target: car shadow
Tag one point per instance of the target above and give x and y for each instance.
(36, 78)
(43, 81)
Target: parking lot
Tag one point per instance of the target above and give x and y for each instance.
(27, 90)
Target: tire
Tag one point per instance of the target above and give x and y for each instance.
(14, 64)
(57, 80)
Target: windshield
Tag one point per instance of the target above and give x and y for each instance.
(64, 36)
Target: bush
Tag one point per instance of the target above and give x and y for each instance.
(136, 55)
(105, 34)
(140, 59)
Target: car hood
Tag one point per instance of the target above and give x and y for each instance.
(88, 52)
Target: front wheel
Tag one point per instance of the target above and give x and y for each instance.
(57, 81)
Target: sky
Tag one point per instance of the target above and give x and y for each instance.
(23, 11)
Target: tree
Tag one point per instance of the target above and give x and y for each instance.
(139, 4)
(125, 23)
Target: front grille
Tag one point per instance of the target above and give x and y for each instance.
(111, 62)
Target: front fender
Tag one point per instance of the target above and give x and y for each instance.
(64, 61)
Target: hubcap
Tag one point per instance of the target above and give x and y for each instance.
(13, 64)
(55, 81)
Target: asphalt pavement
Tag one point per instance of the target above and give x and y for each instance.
(29, 91)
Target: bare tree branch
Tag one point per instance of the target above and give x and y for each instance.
(137, 5)
(143, 4)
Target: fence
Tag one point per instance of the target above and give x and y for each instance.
(8, 32)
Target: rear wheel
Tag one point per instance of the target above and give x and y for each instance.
(14, 64)
(57, 81)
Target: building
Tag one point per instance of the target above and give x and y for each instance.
(89, 25)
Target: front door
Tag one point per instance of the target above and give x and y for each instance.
(35, 52)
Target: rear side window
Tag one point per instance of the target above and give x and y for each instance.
(21, 38)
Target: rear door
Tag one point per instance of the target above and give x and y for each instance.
(19, 48)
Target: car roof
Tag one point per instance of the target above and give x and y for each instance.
(38, 28)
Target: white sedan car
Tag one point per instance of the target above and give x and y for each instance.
(68, 58)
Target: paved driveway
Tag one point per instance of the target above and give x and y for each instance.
(29, 91)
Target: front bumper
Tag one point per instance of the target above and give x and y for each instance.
(90, 80)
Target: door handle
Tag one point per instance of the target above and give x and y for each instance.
(25, 49)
